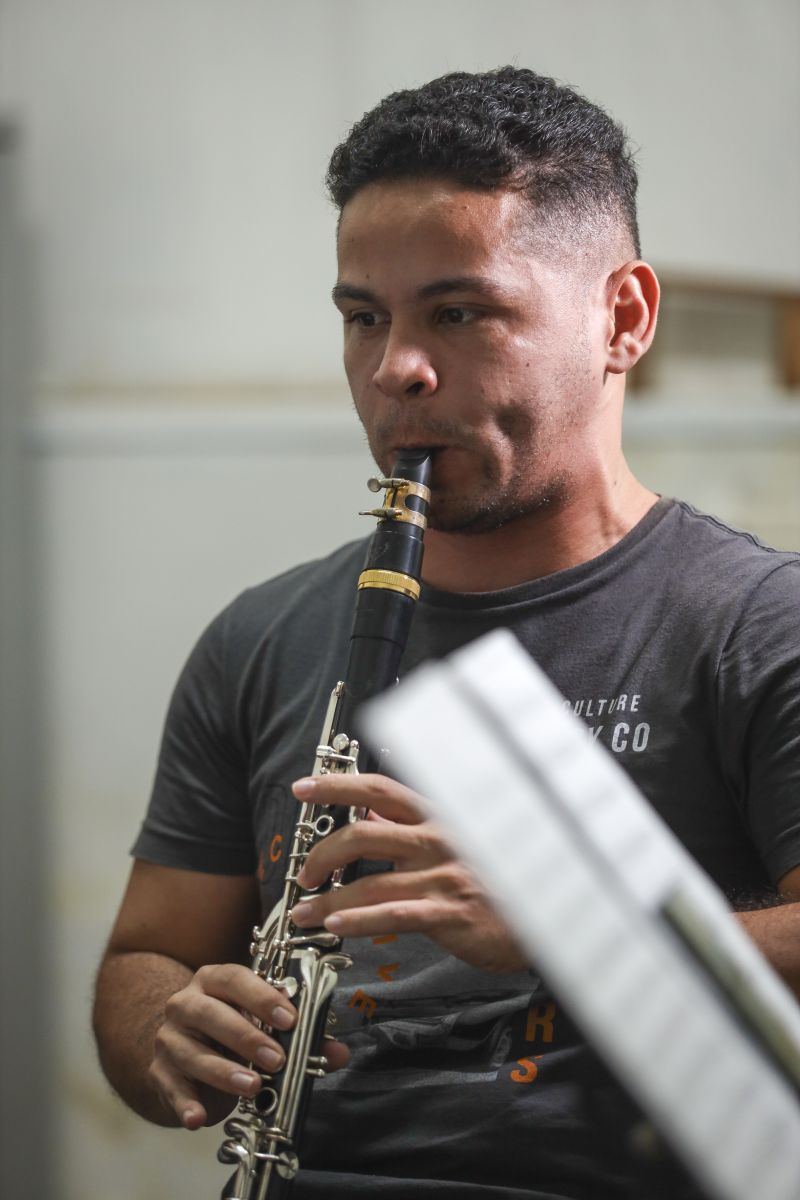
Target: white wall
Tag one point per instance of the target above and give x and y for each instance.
(176, 150)
(188, 413)
(144, 538)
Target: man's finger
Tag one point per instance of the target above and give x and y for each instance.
(403, 845)
(378, 793)
(237, 985)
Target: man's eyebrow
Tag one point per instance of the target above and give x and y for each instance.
(438, 287)
(348, 291)
(462, 283)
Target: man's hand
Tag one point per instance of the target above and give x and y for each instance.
(176, 1037)
(204, 1040)
(428, 891)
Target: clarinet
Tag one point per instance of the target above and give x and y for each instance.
(264, 1133)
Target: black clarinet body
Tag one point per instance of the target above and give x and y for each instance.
(265, 1133)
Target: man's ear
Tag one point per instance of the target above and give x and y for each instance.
(633, 295)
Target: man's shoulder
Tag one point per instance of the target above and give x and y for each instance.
(309, 596)
(713, 546)
(712, 574)
(335, 569)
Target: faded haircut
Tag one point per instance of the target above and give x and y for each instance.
(508, 128)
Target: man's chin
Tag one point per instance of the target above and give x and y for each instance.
(453, 514)
(446, 518)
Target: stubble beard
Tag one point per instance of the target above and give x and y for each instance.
(494, 499)
(494, 508)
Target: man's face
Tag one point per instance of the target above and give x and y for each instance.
(460, 336)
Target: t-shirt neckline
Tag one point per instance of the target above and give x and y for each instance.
(556, 581)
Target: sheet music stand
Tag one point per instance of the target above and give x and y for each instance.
(612, 910)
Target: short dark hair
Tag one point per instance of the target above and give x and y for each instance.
(505, 128)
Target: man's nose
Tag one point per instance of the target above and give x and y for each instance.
(405, 369)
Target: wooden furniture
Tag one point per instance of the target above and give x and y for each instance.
(782, 300)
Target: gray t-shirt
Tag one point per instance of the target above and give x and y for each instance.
(679, 648)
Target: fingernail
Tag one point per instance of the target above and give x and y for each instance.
(269, 1059)
(282, 1018)
(243, 1081)
(303, 788)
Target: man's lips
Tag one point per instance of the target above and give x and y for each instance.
(434, 448)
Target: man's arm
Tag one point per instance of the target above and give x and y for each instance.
(776, 930)
(170, 1035)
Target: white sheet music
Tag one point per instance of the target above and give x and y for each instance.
(586, 875)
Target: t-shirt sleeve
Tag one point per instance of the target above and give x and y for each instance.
(759, 682)
(199, 817)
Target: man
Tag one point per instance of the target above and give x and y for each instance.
(493, 300)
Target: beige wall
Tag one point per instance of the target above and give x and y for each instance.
(175, 150)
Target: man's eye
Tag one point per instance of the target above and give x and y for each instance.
(454, 315)
(366, 320)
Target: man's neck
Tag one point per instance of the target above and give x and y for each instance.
(538, 544)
